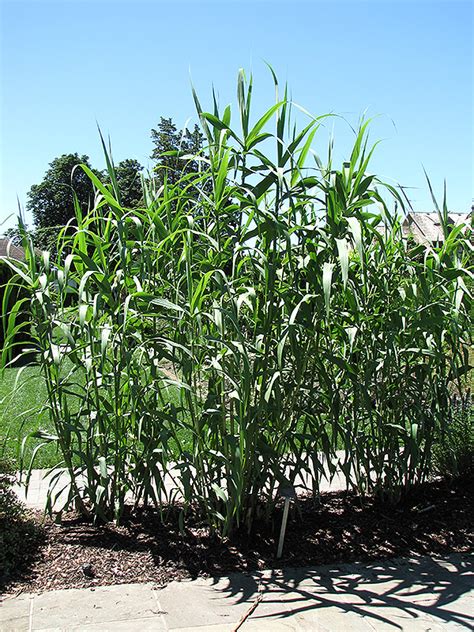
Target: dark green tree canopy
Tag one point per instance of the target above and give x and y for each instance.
(127, 174)
(52, 201)
(166, 138)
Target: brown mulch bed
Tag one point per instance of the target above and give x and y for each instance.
(436, 520)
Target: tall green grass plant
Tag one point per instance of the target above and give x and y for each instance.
(275, 292)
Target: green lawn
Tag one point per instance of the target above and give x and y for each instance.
(22, 411)
(23, 399)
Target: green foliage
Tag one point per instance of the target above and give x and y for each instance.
(52, 201)
(174, 152)
(291, 316)
(24, 412)
(16, 528)
(10, 506)
(128, 178)
(42, 238)
(46, 238)
(14, 299)
(454, 452)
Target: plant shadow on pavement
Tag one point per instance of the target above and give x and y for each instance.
(394, 593)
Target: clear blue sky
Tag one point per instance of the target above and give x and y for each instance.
(67, 64)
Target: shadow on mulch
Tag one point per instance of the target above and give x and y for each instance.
(21, 540)
(435, 519)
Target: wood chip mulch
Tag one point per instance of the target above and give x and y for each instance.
(436, 520)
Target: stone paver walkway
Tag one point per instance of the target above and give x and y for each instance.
(414, 595)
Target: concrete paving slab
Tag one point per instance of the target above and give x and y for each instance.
(35, 495)
(335, 619)
(207, 602)
(131, 625)
(249, 626)
(135, 625)
(15, 613)
(418, 592)
(219, 627)
(21, 624)
(70, 609)
(290, 624)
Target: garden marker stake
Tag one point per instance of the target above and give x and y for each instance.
(288, 493)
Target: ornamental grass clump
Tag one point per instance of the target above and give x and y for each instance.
(273, 296)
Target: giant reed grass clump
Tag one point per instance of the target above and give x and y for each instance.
(274, 294)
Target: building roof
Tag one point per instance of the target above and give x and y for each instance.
(426, 227)
(8, 249)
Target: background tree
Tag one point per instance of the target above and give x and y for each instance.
(127, 174)
(52, 202)
(167, 138)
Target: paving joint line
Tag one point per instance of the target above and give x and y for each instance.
(160, 609)
(30, 617)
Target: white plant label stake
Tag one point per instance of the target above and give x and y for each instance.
(287, 492)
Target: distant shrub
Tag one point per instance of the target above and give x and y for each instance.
(10, 506)
(454, 454)
(17, 530)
